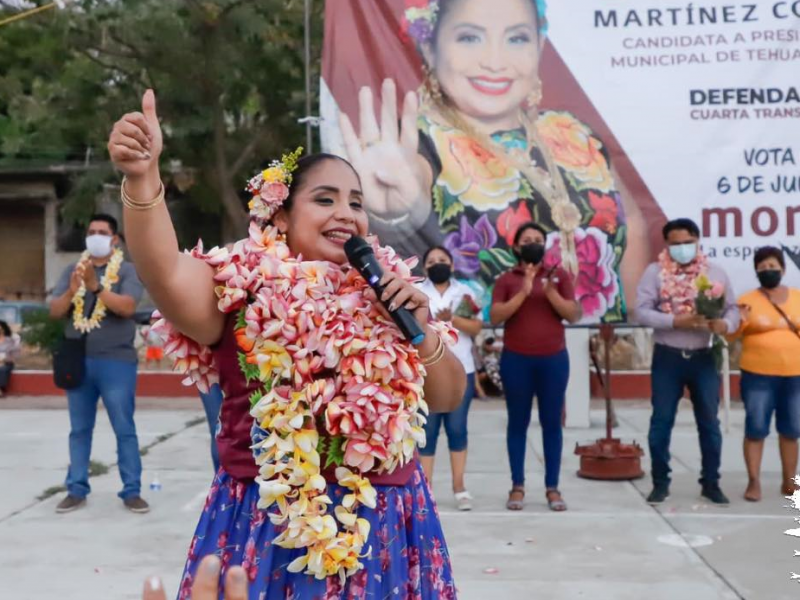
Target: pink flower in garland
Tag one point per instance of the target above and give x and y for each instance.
(190, 358)
(678, 291)
(362, 450)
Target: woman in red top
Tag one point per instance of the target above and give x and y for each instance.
(533, 302)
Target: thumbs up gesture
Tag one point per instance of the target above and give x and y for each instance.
(135, 142)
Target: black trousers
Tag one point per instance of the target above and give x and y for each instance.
(5, 374)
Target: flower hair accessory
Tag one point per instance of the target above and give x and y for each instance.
(419, 19)
(270, 188)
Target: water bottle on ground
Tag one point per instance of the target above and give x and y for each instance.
(155, 484)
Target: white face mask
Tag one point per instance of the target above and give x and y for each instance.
(98, 245)
(683, 254)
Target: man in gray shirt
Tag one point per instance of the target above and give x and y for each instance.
(683, 357)
(104, 290)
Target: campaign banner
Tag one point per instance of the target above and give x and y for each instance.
(599, 121)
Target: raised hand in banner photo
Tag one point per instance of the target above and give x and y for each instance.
(396, 180)
(500, 155)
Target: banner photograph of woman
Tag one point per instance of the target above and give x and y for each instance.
(398, 299)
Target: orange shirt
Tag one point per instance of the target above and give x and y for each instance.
(769, 347)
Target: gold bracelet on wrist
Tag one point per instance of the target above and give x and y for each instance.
(129, 202)
(436, 355)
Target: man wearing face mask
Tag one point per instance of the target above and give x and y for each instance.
(770, 332)
(682, 357)
(98, 296)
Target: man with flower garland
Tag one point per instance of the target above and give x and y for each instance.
(683, 356)
(100, 294)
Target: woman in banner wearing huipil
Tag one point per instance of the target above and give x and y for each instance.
(320, 494)
(495, 162)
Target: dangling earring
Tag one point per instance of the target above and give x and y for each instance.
(534, 98)
(431, 85)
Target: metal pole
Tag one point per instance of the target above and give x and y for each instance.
(607, 333)
(726, 386)
(307, 27)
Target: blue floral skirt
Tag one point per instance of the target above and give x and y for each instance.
(407, 560)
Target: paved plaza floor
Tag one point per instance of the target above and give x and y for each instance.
(610, 545)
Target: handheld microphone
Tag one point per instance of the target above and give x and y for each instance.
(361, 256)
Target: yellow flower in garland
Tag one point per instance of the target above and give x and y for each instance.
(273, 360)
(80, 321)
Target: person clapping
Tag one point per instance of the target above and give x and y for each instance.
(534, 302)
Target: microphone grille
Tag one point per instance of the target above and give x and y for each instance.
(356, 246)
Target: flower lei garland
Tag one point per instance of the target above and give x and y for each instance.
(110, 277)
(335, 380)
(678, 283)
(419, 19)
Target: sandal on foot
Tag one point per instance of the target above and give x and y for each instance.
(463, 500)
(516, 504)
(556, 504)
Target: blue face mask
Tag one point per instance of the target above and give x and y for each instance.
(683, 254)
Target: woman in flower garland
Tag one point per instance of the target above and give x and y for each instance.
(320, 494)
(495, 162)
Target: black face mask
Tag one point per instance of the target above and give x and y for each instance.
(770, 278)
(439, 273)
(532, 253)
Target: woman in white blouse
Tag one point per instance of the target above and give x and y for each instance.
(451, 300)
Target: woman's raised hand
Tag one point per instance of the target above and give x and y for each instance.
(386, 155)
(398, 292)
(135, 142)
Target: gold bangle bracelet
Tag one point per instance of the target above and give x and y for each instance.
(436, 356)
(436, 359)
(129, 202)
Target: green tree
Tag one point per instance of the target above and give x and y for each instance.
(228, 76)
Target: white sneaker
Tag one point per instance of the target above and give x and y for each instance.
(463, 500)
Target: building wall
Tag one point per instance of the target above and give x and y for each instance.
(54, 261)
(22, 233)
(22, 228)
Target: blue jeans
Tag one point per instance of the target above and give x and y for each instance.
(455, 424)
(212, 402)
(672, 371)
(766, 394)
(545, 377)
(115, 382)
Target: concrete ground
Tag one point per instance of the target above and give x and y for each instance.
(610, 545)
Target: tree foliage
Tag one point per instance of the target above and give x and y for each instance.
(228, 76)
